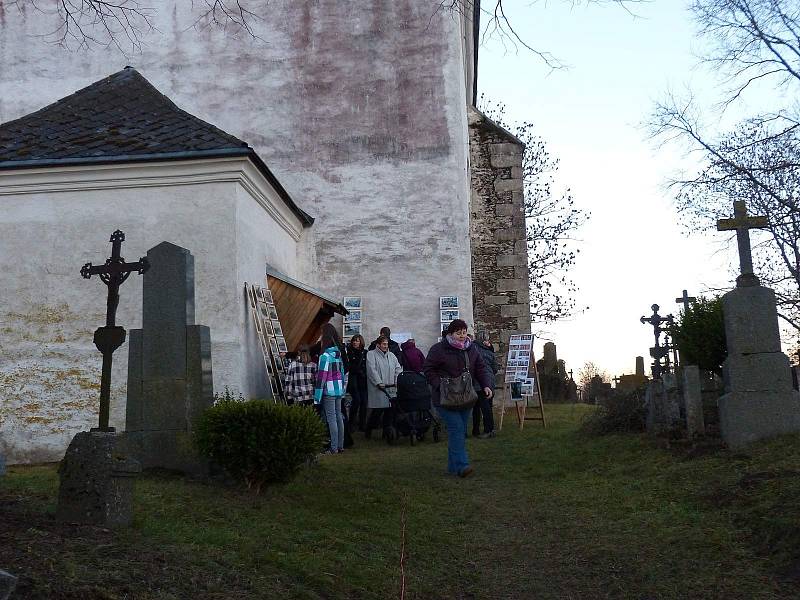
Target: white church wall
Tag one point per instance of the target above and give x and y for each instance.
(357, 107)
(52, 222)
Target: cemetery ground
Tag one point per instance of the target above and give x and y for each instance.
(550, 514)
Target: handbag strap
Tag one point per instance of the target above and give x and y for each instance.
(466, 362)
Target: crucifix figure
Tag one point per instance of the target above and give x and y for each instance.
(107, 339)
(658, 351)
(685, 300)
(742, 223)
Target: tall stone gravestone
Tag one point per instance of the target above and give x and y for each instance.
(759, 401)
(169, 366)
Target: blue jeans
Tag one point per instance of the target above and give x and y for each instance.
(456, 423)
(332, 407)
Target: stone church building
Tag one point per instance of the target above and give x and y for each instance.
(336, 142)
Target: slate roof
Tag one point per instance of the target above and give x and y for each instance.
(122, 118)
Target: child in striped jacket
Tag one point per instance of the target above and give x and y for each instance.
(330, 387)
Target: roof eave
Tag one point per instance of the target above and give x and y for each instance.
(306, 219)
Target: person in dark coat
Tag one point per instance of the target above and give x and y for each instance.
(394, 347)
(357, 382)
(413, 358)
(484, 405)
(450, 358)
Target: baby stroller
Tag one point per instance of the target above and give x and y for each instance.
(411, 410)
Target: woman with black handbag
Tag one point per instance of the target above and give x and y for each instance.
(450, 366)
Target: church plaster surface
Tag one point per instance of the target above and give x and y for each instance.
(53, 221)
(357, 107)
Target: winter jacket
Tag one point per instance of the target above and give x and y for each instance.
(489, 358)
(381, 368)
(445, 360)
(330, 375)
(357, 357)
(413, 358)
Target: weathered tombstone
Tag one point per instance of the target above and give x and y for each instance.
(7, 584)
(2, 463)
(550, 358)
(640, 366)
(693, 401)
(759, 401)
(95, 476)
(662, 404)
(169, 366)
(96, 481)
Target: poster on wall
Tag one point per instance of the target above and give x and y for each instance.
(448, 302)
(518, 361)
(351, 323)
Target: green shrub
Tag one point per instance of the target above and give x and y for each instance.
(700, 335)
(258, 441)
(619, 413)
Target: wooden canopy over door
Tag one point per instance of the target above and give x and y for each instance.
(302, 311)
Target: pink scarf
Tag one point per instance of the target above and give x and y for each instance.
(456, 344)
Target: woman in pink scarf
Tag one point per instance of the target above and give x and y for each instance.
(413, 358)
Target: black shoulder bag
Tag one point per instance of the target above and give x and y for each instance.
(457, 393)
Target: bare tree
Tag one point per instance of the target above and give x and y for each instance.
(495, 22)
(124, 23)
(753, 43)
(587, 373)
(552, 222)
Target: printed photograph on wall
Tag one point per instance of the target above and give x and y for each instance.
(282, 344)
(448, 302)
(353, 317)
(277, 329)
(273, 346)
(268, 297)
(443, 326)
(273, 314)
(446, 316)
(351, 329)
(351, 302)
(268, 327)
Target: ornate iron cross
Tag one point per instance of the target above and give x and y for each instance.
(658, 351)
(742, 223)
(107, 339)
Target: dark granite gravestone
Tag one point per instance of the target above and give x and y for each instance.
(693, 401)
(96, 481)
(169, 366)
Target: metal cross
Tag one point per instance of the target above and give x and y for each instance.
(742, 224)
(107, 339)
(685, 300)
(657, 351)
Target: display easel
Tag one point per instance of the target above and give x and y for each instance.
(519, 364)
(260, 310)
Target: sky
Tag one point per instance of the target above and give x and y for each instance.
(634, 252)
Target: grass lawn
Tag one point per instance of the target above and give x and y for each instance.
(549, 514)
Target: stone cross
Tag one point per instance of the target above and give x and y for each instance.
(685, 300)
(742, 223)
(107, 339)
